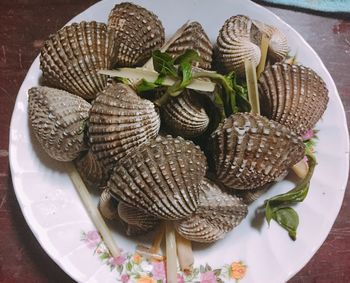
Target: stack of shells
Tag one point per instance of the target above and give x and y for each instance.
(113, 137)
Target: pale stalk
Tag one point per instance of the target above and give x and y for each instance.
(92, 210)
(264, 46)
(171, 258)
(252, 84)
(171, 40)
(184, 253)
(301, 169)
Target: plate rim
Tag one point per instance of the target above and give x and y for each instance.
(57, 258)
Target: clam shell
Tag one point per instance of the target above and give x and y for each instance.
(138, 33)
(195, 38)
(249, 196)
(119, 122)
(91, 170)
(162, 177)
(137, 220)
(108, 206)
(71, 58)
(250, 151)
(218, 213)
(185, 116)
(58, 120)
(238, 40)
(278, 43)
(292, 95)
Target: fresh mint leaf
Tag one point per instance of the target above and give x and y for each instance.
(163, 64)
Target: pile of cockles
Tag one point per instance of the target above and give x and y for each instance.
(154, 163)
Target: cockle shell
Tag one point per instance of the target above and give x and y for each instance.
(218, 213)
(238, 40)
(185, 115)
(250, 151)
(249, 196)
(137, 220)
(292, 95)
(58, 120)
(91, 170)
(278, 42)
(108, 206)
(195, 38)
(119, 122)
(71, 58)
(162, 177)
(138, 33)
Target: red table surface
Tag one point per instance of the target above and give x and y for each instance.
(24, 24)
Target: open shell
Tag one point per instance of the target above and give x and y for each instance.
(71, 58)
(137, 220)
(119, 122)
(91, 170)
(218, 213)
(58, 121)
(250, 151)
(185, 115)
(292, 95)
(108, 206)
(138, 33)
(195, 38)
(162, 177)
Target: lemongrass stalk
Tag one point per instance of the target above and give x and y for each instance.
(92, 210)
(184, 253)
(252, 84)
(264, 46)
(171, 258)
(147, 252)
(301, 169)
(158, 239)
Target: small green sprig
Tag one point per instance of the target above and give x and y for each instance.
(277, 207)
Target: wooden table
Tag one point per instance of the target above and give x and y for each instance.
(24, 24)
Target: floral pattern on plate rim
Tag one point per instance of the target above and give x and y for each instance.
(132, 267)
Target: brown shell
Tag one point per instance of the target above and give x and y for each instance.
(71, 58)
(250, 151)
(218, 213)
(278, 43)
(108, 206)
(249, 196)
(119, 122)
(162, 177)
(238, 40)
(137, 220)
(185, 115)
(292, 95)
(91, 170)
(58, 121)
(138, 33)
(195, 38)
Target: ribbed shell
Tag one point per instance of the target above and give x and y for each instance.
(119, 122)
(292, 95)
(195, 38)
(238, 40)
(278, 43)
(108, 206)
(91, 170)
(185, 116)
(58, 121)
(250, 151)
(249, 196)
(138, 33)
(137, 220)
(218, 213)
(71, 58)
(162, 178)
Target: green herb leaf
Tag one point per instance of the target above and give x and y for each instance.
(188, 56)
(145, 86)
(185, 70)
(163, 64)
(288, 219)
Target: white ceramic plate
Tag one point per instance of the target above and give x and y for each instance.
(57, 218)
